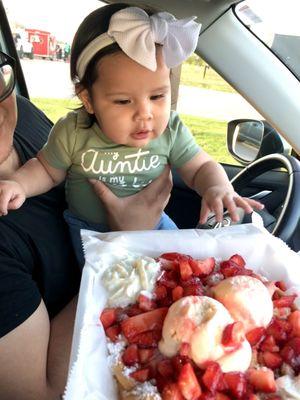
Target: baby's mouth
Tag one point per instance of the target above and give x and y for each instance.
(140, 135)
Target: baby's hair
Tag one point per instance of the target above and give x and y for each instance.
(92, 26)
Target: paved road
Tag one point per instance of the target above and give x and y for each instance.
(51, 79)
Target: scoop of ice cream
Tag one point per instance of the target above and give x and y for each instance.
(200, 322)
(238, 360)
(247, 299)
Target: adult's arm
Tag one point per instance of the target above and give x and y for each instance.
(140, 211)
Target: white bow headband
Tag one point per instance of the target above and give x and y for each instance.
(136, 33)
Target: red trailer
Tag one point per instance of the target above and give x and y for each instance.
(44, 43)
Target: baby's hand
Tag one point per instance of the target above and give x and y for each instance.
(216, 198)
(12, 196)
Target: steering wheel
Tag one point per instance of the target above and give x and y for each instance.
(286, 222)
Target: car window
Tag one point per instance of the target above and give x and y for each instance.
(207, 103)
(276, 23)
(43, 45)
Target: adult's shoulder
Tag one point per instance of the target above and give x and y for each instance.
(32, 129)
(31, 120)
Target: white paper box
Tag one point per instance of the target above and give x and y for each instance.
(89, 376)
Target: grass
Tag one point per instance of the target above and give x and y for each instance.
(196, 75)
(209, 133)
(211, 136)
(55, 108)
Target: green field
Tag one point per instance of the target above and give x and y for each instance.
(209, 133)
(203, 77)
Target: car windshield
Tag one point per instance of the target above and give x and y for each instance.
(276, 23)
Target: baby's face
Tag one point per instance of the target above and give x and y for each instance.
(131, 103)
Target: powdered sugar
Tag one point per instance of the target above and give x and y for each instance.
(144, 391)
(115, 351)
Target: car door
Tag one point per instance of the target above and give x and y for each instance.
(271, 187)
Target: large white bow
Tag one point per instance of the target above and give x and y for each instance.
(136, 33)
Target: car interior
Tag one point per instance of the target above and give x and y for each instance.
(267, 151)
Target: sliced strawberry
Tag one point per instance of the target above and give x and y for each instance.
(237, 259)
(233, 334)
(185, 270)
(167, 265)
(236, 383)
(291, 353)
(222, 396)
(130, 355)
(203, 267)
(169, 279)
(178, 362)
(113, 332)
(108, 317)
(146, 339)
(160, 292)
(229, 270)
(167, 301)
(151, 320)
(213, 377)
(184, 349)
(193, 290)
(171, 391)
(160, 381)
(141, 375)
(279, 329)
(175, 256)
(262, 380)
(145, 303)
(207, 396)
(281, 285)
(145, 355)
(284, 301)
(165, 368)
(177, 293)
(133, 310)
(294, 320)
(252, 396)
(271, 360)
(256, 335)
(188, 383)
(269, 344)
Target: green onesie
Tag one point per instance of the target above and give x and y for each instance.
(85, 152)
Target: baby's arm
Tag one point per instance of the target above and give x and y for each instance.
(210, 181)
(36, 176)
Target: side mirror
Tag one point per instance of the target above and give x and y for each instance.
(249, 139)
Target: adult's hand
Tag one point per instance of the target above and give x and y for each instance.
(140, 211)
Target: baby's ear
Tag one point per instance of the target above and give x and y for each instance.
(85, 98)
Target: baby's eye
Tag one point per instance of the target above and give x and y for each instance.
(122, 102)
(157, 96)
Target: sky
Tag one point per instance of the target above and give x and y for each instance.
(60, 17)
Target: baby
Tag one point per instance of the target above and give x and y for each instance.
(125, 134)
